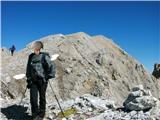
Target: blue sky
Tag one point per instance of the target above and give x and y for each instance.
(134, 26)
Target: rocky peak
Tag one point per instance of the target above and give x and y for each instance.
(86, 64)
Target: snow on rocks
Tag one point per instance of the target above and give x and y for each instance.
(19, 76)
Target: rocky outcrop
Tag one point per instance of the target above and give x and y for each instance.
(85, 107)
(156, 71)
(140, 100)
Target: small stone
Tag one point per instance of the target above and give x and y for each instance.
(64, 119)
(89, 113)
(132, 113)
(139, 87)
(90, 109)
(68, 70)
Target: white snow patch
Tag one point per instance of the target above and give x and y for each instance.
(19, 76)
(54, 57)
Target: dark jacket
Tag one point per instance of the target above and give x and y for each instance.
(13, 48)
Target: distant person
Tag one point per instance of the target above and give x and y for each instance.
(39, 70)
(12, 49)
(156, 71)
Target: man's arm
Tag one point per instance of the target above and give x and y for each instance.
(28, 67)
(28, 72)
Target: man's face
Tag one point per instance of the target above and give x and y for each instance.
(37, 51)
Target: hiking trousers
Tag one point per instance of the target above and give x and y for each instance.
(12, 51)
(38, 87)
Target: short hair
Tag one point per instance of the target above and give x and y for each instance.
(38, 45)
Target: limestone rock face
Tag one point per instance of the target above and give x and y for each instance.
(86, 65)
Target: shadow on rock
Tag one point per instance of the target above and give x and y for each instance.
(16, 112)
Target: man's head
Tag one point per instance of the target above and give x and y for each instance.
(37, 46)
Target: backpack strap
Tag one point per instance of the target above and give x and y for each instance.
(43, 58)
(43, 62)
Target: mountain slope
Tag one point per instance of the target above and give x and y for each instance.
(87, 64)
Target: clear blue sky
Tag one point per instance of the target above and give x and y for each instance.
(135, 26)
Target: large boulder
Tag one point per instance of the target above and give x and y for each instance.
(140, 100)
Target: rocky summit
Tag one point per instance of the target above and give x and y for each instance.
(94, 76)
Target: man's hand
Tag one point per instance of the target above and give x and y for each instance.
(29, 84)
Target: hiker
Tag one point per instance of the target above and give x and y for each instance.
(156, 71)
(39, 70)
(12, 49)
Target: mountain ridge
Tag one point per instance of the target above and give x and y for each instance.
(100, 62)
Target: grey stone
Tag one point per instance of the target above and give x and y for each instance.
(140, 100)
(68, 70)
(139, 87)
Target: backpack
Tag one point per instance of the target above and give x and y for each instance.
(39, 67)
(49, 70)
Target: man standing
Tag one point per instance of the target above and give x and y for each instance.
(39, 70)
(12, 49)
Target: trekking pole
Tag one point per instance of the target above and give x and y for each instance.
(23, 95)
(56, 99)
